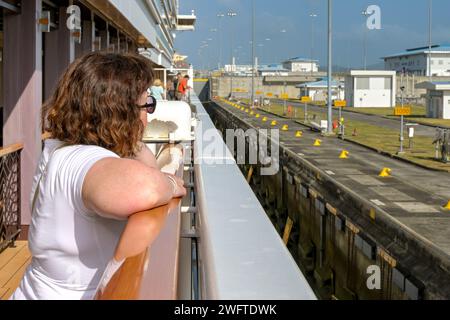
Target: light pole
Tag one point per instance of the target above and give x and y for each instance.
(210, 55)
(330, 69)
(430, 17)
(268, 55)
(200, 56)
(402, 88)
(237, 56)
(204, 57)
(365, 14)
(215, 30)
(231, 14)
(253, 55)
(340, 110)
(282, 31)
(312, 15)
(261, 52)
(220, 16)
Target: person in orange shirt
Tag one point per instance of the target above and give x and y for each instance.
(183, 87)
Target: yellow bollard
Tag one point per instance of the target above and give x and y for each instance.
(285, 128)
(318, 143)
(344, 154)
(264, 119)
(447, 206)
(298, 134)
(274, 123)
(386, 172)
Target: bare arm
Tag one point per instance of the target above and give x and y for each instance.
(142, 229)
(146, 156)
(122, 187)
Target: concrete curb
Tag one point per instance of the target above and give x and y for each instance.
(398, 119)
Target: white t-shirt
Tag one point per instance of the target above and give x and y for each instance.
(70, 246)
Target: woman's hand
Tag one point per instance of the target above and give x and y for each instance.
(170, 158)
(179, 190)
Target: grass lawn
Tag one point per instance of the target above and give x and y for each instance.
(418, 114)
(433, 122)
(383, 139)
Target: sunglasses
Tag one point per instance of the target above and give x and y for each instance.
(150, 106)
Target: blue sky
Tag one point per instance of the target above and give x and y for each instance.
(404, 25)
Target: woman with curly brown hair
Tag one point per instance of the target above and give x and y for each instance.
(93, 174)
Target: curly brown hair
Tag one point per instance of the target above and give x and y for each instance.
(95, 102)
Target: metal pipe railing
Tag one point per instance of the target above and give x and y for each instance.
(10, 214)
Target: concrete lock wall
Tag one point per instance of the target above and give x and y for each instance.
(333, 238)
(202, 89)
(221, 87)
(242, 87)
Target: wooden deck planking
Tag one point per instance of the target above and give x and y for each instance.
(3, 293)
(14, 282)
(13, 263)
(9, 253)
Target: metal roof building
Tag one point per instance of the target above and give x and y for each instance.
(299, 64)
(317, 90)
(438, 102)
(416, 61)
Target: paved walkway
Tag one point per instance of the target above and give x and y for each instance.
(374, 120)
(414, 196)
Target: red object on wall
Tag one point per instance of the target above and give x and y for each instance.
(335, 124)
(289, 109)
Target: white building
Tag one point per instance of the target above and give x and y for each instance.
(318, 91)
(238, 68)
(370, 88)
(416, 61)
(438, 99)
(272, 70)
(301, 65)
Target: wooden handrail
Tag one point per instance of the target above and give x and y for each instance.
(139, 277)
(150, 267)
(10, 149)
